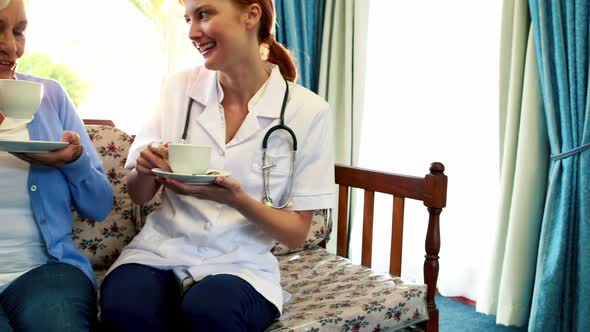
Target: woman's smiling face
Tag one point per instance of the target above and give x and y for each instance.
(13, 23)
(217, 30)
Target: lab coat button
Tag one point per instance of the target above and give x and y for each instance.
(33, 188)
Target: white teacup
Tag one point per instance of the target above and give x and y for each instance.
(189, 158)
(20, 99)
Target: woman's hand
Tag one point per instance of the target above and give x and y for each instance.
(288, 227)
(155, 155)
(226, 190)
(59, 157)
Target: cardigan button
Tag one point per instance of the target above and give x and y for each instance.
(33, 188)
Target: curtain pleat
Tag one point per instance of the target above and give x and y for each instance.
(342, 77)
(562, 282)
(342, 71)
(299, 27)
(507, 285)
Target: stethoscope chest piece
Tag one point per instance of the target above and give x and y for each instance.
(267, 200)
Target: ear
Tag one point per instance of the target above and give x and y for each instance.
(254, 13)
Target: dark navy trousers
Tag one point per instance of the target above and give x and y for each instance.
(135, 297)
(54, 297)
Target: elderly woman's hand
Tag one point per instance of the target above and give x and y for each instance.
(59, 157)
(155, 155)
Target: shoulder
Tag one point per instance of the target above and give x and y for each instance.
(305, 100)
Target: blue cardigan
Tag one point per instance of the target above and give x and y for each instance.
(81, 184)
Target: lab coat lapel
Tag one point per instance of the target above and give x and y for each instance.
(204, 90)
(267, 109)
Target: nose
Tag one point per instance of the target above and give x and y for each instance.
(195, 31)
(8, 43)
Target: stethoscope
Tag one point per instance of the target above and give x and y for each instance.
(266, 200)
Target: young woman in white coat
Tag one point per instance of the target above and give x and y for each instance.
(221, 234)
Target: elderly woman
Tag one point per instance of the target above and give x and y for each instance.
(45, 283)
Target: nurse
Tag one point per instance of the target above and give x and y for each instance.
(221, 234)
(46, 284)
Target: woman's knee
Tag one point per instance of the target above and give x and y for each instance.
(226, 303)
(56, 297)
(205, 316)
(137, 297)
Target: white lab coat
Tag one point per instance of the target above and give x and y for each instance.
(206, 237)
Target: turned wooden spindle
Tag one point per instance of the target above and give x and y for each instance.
(435, 198)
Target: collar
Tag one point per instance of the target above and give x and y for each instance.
(206, 90)
(203, 88)
(268, 100)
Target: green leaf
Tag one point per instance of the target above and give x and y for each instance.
(41, 65)
(149, 8)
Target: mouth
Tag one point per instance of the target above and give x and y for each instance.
(7, 65)
(205, 48)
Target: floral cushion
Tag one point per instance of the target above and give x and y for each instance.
(321, 227)
(102, 242)
(329, 293)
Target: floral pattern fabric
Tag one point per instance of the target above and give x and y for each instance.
(321, 227)
(330, 293)
(102, 242)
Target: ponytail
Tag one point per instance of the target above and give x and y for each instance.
(278, 54)
(271, 50)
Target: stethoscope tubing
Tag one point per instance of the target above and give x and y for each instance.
(266, 200)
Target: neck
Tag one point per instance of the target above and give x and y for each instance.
(242, 82)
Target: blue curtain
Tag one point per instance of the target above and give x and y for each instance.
(562, 281)
(300, 25)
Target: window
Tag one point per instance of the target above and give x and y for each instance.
(432, 95)
(117, 55)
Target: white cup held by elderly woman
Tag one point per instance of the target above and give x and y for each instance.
(20, 99)
(189, 158)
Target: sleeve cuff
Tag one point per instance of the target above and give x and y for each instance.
(77, 171)
(313, 202)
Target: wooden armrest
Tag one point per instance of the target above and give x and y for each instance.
(430, 189)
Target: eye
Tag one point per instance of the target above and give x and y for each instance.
(19, 34)
(203, 14)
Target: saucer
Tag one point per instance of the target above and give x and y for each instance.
(192, 178)
(31, 146)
